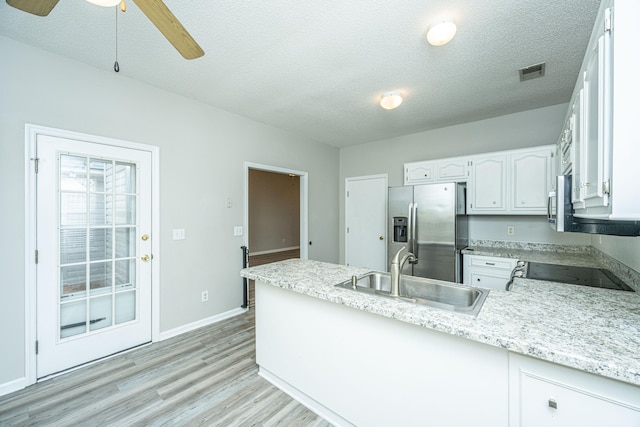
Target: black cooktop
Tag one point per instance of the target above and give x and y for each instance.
(585, 276)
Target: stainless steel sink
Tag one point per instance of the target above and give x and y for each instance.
(434, 293)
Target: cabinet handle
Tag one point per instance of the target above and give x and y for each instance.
(490, 263)
(553, 404)
(478, 279)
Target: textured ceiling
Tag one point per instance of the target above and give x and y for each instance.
(318, 68)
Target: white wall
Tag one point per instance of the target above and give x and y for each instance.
(202, 155)
(519, 130)
(624, 249)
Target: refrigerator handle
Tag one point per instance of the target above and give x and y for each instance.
(410, 229)
(414, 237)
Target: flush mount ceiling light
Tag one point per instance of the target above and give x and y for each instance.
(105, 3)
(390, 100)
(441, 32)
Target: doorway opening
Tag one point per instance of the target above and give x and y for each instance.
(275, 216)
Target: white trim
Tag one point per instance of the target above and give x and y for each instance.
(304, 203)
(31, 133)
(274, 251)
(14, 385)
(200, 323)
(303, 398)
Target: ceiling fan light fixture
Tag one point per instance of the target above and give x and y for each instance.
(105, 3)
(441, 32)
(390, 100)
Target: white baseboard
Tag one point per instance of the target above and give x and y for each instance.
(304, 399)
(200, 323)
(11, 386)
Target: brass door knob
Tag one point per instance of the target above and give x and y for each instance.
(381, 237)
(145, 257)
(145, 237)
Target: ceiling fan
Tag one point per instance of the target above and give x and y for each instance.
(157, 12)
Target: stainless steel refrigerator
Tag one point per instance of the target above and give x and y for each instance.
(430, 221)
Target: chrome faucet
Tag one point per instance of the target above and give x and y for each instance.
(396, 270)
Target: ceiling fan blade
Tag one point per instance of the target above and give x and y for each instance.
(40, 8)
(160, 15)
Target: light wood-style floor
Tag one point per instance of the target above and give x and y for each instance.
(206, 377)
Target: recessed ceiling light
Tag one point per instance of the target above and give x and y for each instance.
(441, 32)
(390, 100)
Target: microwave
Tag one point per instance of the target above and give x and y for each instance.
(560, 215)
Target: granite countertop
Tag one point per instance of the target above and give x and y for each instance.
(591, 329)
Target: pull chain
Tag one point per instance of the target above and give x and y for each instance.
(116, 66)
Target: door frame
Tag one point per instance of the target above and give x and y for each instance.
(30, 290)
(346, 210)
(304, 203)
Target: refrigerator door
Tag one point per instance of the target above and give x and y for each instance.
(400, 200)
(436, 231)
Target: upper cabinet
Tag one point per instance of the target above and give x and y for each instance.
(599, 142)
(512, 182)
(515, 182)
(452, 169)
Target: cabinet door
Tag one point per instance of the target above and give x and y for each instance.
(554, 396)
(488, 185)
(596, 139)
(419, 173)
(578, 132)
(530, 181)
(453, 170)
(485, 279)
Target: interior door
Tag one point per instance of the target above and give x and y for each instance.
(365, 218)
(94, 261)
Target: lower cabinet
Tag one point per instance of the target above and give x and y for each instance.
(545, 394)
(487, 272)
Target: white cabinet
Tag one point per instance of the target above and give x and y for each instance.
(514, 182)
(487, 189)
(487, 272)
(452, 169)
(419, 173)
(545, 394)
(530, 173)
(604, 125)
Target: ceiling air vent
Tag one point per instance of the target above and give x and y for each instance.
(532, 71)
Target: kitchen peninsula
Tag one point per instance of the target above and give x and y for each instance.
(358, 359)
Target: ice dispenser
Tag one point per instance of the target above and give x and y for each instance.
(400, 228)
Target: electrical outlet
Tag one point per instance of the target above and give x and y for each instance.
(205, 296)
(511, 230)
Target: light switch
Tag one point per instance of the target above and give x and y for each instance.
(237, 230)
(179, 234)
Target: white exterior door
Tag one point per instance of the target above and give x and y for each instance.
(94, 251)
(366, 219)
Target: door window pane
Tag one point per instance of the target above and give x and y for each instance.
(101, 208)
(125, 273)
(73, 173)
(125, 306)
(73, 318)
(100, 312)
(125, 242)
(73, 281)
(100, 244)
(125, 178)
(73, 209)
(73, 246)
(125, 210)
(101, 176)
(100, 277)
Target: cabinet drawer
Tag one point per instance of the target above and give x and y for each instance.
(489, 280)
(495, 263)
(546, 402)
